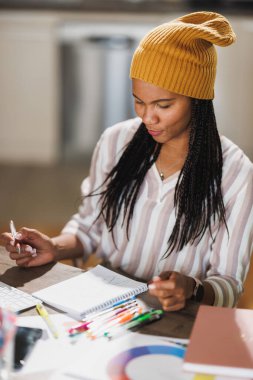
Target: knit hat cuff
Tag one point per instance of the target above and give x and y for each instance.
(176, 75)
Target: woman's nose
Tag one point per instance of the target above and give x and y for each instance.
(149, 117)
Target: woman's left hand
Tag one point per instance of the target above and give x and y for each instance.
(172, 289)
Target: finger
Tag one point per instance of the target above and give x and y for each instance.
(161, 293)
(25, 248)
(178, 294)
(35, 261)
(175, 307)
(161, 285)
(23, 261)
(5, 238)
(20, 248)
(11, 248)
(15, 255)
(16, 246)
(161, 277)
(30, 260)
(172, 303)
(29, 235)
(156, 279)
(165, 275)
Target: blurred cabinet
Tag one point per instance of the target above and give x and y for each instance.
(28, 88)
(96, 88)
(32, 108)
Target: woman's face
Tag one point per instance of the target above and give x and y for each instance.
(166, 115)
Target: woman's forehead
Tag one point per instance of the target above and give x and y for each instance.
(141, 88)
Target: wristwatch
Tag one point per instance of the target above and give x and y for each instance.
(198, 291)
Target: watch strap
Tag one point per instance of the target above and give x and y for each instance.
(198, 291)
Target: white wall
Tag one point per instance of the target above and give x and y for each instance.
(234, 86)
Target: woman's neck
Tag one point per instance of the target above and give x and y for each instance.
(171, 159)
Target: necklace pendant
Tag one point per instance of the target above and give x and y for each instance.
(161, 175)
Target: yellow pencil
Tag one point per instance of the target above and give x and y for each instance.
(44, 314)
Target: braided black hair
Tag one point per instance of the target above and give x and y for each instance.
(198, 196)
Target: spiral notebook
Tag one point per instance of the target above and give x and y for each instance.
(90, 292)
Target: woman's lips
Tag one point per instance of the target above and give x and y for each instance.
(154, 133)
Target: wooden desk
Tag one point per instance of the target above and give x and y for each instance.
(174, 324)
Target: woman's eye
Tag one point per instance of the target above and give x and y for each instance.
(163, 106)
(138, 102)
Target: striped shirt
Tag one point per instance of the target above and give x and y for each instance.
(224, 264)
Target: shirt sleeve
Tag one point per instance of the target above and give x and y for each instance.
(231, 252)
(85, 224)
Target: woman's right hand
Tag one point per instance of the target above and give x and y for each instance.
(35, 248)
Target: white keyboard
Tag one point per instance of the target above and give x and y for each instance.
(15, 299)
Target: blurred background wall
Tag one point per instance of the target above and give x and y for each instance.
(64, 78)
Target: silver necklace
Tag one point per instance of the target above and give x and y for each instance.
(161, 173)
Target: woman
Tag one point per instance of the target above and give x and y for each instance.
(167, 199)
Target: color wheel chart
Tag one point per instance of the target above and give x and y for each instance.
(119, 367)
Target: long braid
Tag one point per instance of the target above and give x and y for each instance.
(125, 179)
(198, 197)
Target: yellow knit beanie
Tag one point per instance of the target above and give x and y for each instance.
(179, 56)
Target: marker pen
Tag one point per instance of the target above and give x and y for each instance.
(114, 306)
(138, 321)
(121, 320)
(108, 320)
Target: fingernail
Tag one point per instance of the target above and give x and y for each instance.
(151, 286)
(29, 249)
(34, 252)
(156, 278)
(18, 236)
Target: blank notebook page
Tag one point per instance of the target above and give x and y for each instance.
(91, 291)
